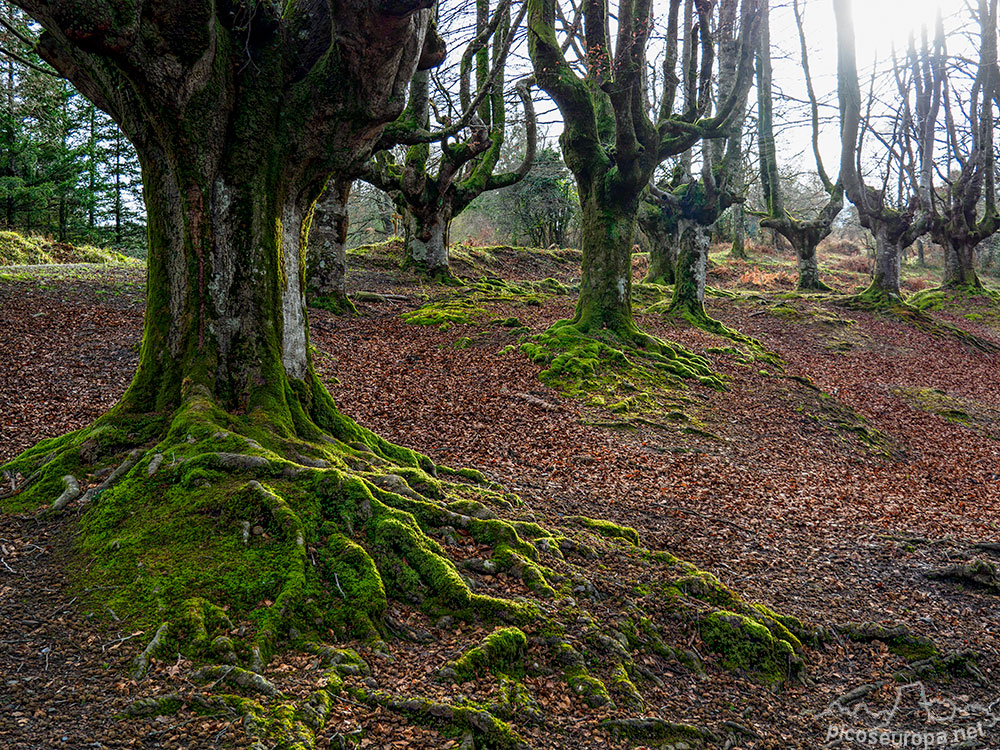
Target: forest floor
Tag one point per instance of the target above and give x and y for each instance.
(827, 489)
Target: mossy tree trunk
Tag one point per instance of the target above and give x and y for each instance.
(607, 233)
(739, 246)
(693, 243)
(805, 249)
(426, 240)
(960, 264)
(238, 127)
(610, 140)
(888, 263)
(326, 259)
(660, 228)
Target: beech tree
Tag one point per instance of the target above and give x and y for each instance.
(964, 212)
(610, 141)
(898, 217)
(240, 112)
(804, 234)
(429, 192)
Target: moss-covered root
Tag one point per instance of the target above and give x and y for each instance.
(697, 317)
(746, 645)
(652, 730)
(338, 304)
(580, 681)
(487, 731)
(501, 652)
(877, 301)
(582, 362)
(924, 659)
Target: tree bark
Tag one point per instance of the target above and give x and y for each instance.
(662, 259)
(739, 247)
(660, 229)
(805, 249)
(326, 266)
(885, 280)
(427, 241)
(960, 265)
(607, 233)
(694, 241)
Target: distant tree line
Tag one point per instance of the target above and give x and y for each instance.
(66, 169)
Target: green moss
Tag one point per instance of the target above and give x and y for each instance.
(898, 639)
(605, 528)
(654, 731)
(338, 304)
(587, 687)
(18, 249)
(745, 645)
(696, 316)
(634, 374)
(445, 314)
(966, 412)
(501, 652)
(622, 686)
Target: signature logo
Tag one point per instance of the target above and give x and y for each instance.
(913, 720)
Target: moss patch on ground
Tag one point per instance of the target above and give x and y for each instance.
(852, 428)
(610, 372)
(18, 249)
(966, 412)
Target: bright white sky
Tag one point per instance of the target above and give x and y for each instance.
(879, 25)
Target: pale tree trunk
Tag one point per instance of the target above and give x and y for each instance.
(694, 241)
(427, 242)
(326, 267)
(960, 265)
(885, 280)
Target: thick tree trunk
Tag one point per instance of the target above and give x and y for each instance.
(921, 261)
(607, 233)
(960, 265)
(326, 266)
(226, 309)
(662, 249)
(692, 266)
(427, 242)
(885, 281)
(805, 245)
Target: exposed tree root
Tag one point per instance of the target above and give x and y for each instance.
(236, 677)
(697, 317)
(925, 660)
(979, 574)
(875, 301)
(303, 536)
(142, 661)
(71, 493)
